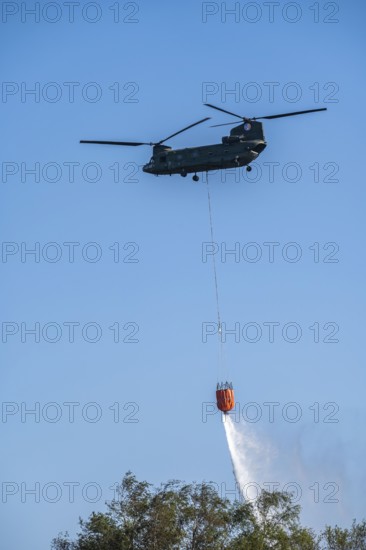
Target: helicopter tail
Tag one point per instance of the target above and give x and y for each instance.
(250, 131)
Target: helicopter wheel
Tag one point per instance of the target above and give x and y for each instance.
(183, 174)
(249, 168)
(195, 178)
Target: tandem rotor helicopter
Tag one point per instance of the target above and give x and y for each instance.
(245, 142)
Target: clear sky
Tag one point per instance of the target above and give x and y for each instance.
(137, 396)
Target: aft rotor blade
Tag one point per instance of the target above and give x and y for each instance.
(225, 124)
(223, 110)
(132, 143)
(183, 130)
(288, 114)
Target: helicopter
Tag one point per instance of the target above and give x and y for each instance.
(245, 142)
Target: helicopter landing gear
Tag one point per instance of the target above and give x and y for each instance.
(183, 174)
(249, 168)
(195, 178)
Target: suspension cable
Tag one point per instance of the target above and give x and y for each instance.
(215, 276)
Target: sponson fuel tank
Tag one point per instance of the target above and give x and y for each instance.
(225, 396)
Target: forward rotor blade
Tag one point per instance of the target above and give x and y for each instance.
(183, 130)
(132, 143)
(223, 110)
(288, 114)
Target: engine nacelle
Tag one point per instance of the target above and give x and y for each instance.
(231, 139)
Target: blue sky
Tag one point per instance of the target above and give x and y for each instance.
(165, 61)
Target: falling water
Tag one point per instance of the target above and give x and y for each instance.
(246, 454)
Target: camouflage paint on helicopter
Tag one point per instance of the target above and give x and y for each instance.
(243, 146)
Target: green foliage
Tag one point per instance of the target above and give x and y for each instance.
(336, 538)
(177, 516)
(271, 522)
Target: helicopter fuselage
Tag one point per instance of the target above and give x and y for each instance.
(242, 146)
(232, 154)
